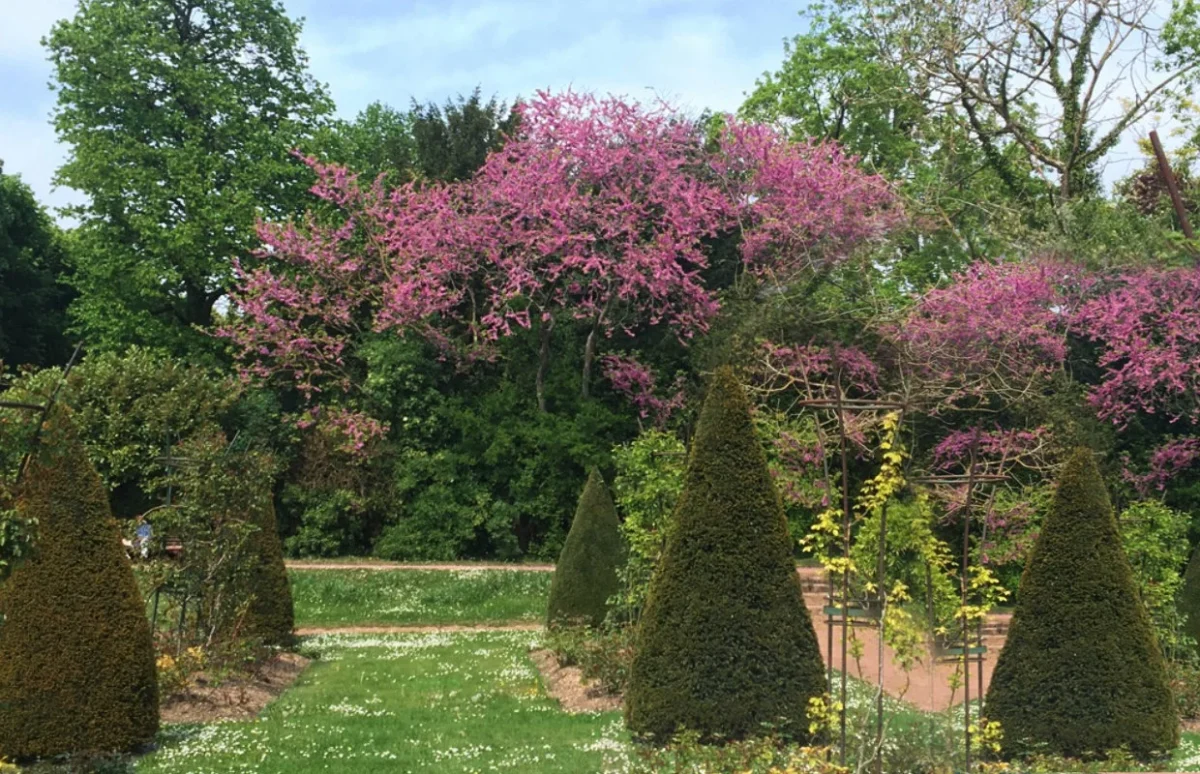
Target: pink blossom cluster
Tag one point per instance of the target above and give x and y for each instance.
(1167, 461)
(812, 364)
(353, 431)
(803, 206)
(995, 328)
(1001, 327)
(999, 445)
(639, 385)
(1148, 325)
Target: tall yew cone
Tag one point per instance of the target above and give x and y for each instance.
(1081, 673)
(586, 574)
(77, 671)
(725, 643)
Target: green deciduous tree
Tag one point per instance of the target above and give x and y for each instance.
(179, 116)
(725, 644)
(33, 300)
(1081, 673)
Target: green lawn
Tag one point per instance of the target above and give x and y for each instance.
(415, 597)
(463, 702)
(441, 703)
(406, 703)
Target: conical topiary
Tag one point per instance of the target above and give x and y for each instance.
(77, 671)
(725, 643)
(270, 617)
(586, 575)
(1081, 673)
(1189, 599)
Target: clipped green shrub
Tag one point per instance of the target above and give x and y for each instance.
(1189, 600)
(77, 671)
(270, 617)
(1080, 673)
(586, 574)
(725, 644)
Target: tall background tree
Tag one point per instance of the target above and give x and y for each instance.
(179, 116)
(995, 119)
(33, 300)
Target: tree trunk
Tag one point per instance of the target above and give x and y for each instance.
(543, 364)
(589, 356)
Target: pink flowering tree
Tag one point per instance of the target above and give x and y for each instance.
(1148, 327)
(999, 329)
(595, 215)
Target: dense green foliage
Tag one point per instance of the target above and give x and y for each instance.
(1155, 540)
(1189, 599)
(1080, 673)
(231, 566)
(179, 117)
(76, 658)
(585, 577)
(33, 298)
(725, 643)
(647, 486)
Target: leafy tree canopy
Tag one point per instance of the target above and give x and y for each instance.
(179, 116)
(32, 300)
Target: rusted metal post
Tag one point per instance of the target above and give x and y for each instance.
(966, 628)
(1164, 169)
(846, 524)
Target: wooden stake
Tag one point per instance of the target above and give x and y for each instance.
(1164, 169)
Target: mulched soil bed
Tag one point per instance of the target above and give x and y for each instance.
(566, 684)
(240, 697)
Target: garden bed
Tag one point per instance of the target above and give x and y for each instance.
(239, 697)
(567, 685)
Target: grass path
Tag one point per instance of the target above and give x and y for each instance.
(435, 703)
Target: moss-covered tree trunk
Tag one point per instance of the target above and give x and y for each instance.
(1081, 673)
(725, 644)
(77, 671)
(585, 577)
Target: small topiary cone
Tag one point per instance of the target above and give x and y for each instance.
(585, 577)
(271, 616)
(77, 671)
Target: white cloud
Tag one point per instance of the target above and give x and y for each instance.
(690, 57)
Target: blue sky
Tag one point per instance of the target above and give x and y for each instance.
(696, 53)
